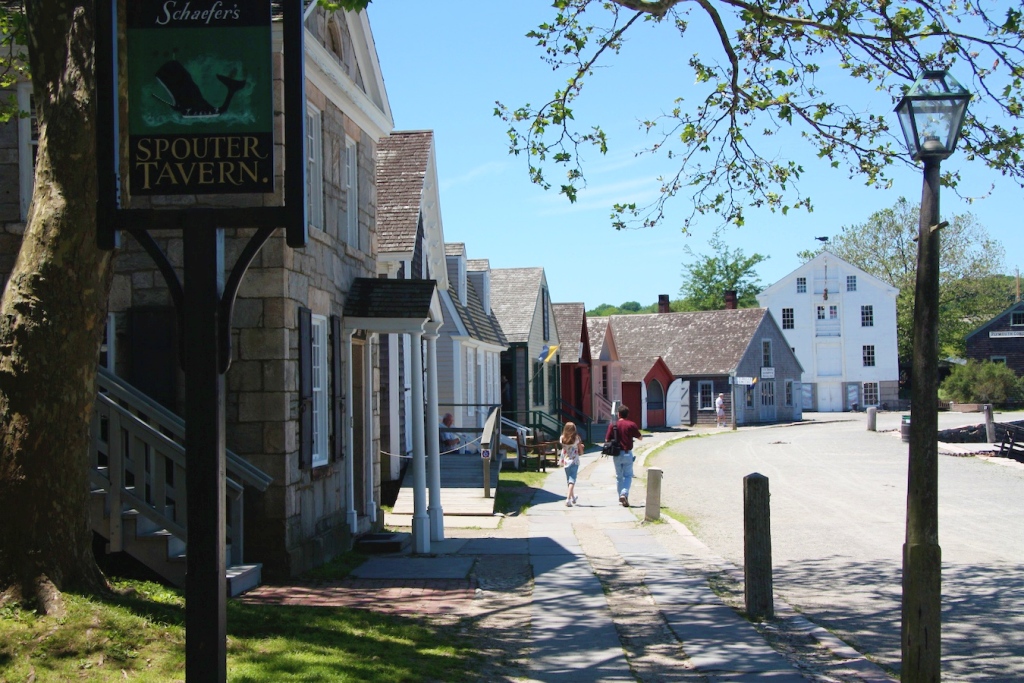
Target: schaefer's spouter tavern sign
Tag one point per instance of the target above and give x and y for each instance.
(200, 97)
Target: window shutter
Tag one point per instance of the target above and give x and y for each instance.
(338, 440)
(305, 388)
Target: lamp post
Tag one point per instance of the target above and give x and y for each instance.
(931, 115)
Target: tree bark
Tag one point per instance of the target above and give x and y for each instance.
(51, 324)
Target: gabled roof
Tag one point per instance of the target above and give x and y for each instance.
(813, 263)
(695, 343)
(477, 264)
(995, 319)
(402, 163)
(514, 296)
(569, 321)
(597, 328)
(478, 324)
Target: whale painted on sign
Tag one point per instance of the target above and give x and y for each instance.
(186, 97)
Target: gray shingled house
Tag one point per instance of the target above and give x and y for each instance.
(522, 304)
(740, 353)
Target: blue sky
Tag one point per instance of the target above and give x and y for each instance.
(446, 62)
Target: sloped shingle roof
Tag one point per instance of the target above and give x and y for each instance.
(597, 327)
(478, 324)
(569, 322)
(370, 297)
(478, 264)
(514, 299)
(402, 159)
(697, 343)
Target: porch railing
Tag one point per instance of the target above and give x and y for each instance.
(138, 458)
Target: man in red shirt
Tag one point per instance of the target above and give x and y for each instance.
(624, 460)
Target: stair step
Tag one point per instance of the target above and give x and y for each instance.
(243, 577)
(383, 543)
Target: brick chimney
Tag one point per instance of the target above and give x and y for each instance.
(663, 305)
(730, 299)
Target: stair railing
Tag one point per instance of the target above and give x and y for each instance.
(138, 458)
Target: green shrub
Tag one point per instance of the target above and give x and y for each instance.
(982, 382)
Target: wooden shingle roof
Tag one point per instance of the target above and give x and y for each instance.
(370, 297)
(569, 322)
(691, 344)
(402, 159)
(514, 296)
(597, 328)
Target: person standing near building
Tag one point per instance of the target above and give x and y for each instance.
(720, 409)
(627, 431)
(570, 450)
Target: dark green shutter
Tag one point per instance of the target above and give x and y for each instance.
(305, 388)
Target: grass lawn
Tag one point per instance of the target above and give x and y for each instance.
(140, 636)
(515, 488)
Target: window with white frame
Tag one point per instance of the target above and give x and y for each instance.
(868, 353)
(801, 285)
(821, 312)
(767, 393)
(350, 181)
(787, 318)
(998, 359)
(766, 353)
(604, 381)
(867, 316)
(321, 410)
(471, 380)
(789, 392)
(1017, 318)
(28, 145)
(314, 167)
(851, 283)
(705, 395)
(871, 393)
(833, 312)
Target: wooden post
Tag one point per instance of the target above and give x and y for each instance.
(757, 548)
(872, 418)
(653, 509)
(990, 425)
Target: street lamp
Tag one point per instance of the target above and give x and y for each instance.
(931, 115)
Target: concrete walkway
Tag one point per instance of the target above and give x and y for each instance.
(611, 598)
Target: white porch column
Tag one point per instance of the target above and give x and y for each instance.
(370, 503)
(350, 491)
(433, 438)
(420, 520)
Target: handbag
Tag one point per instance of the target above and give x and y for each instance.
(612, 446)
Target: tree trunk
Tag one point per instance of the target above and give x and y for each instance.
(51, 324)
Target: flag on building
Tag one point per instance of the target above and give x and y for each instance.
(547, 354)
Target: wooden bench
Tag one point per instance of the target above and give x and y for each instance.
(1013, 442)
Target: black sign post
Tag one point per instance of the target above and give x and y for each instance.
(200, 121)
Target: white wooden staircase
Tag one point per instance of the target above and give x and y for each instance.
(137, 480)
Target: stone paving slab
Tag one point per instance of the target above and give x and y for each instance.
(446, 567)
(717, 640)
(496, 546)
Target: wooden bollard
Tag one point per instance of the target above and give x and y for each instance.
(757, 548)
(653, 510)
(872, 418)
(990, 425)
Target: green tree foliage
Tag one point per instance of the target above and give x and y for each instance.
(767, 77)
(970, 289)
(707, 277)
(982, 382)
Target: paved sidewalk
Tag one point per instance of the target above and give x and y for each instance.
(611, 598)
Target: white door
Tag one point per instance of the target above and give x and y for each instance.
(643, 405)
(677, 404)
(830, 397)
